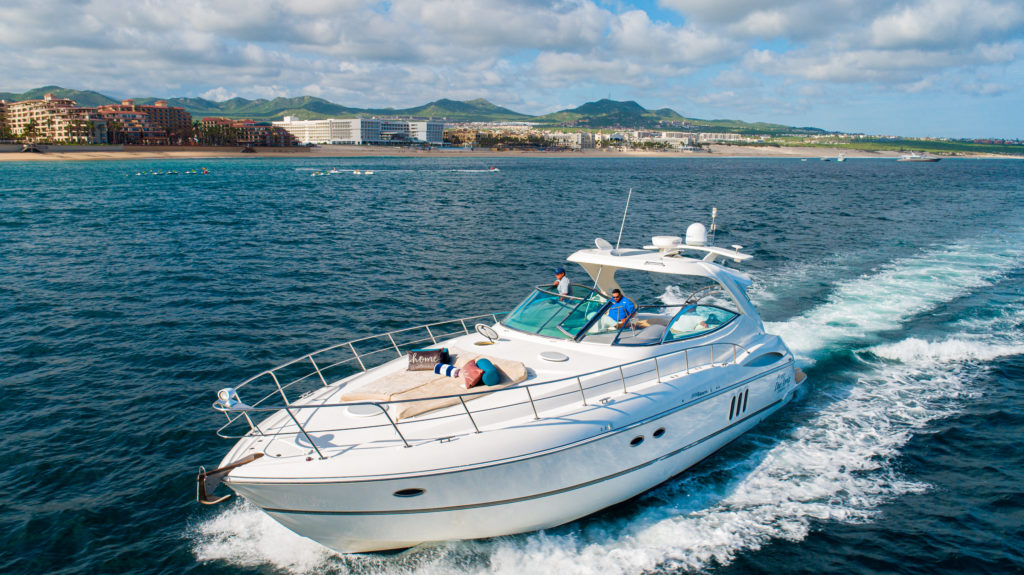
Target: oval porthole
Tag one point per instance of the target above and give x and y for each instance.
(636, 441)
(411, 492)
(658, 432)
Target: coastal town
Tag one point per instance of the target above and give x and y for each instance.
(53, 123)
(62, 121)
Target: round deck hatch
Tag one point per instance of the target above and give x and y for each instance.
(553, 356)
(363, 410)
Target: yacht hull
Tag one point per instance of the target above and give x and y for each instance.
(525, 494)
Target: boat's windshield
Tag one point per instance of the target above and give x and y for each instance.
(586, 315)
(547, 313)
(656, 324)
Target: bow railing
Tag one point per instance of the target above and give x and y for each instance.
(531, 400)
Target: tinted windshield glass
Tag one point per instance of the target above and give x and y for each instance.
(544, 311)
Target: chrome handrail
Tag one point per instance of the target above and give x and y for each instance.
(382, 405)
(391, 344)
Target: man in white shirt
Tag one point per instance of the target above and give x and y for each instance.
(561, 282)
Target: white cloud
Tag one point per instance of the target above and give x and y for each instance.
(946, 23)
(218, 94)
(634, 34)
(724, 54)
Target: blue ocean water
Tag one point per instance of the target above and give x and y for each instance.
(126, 300)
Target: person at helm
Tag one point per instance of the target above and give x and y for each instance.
(622, 309)
(561, 282)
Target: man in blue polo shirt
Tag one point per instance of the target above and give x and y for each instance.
(622, 309)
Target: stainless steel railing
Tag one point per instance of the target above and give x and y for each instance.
(663, 366)
(396, 341)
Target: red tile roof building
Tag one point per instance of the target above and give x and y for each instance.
(245, 133)
(159, 123)
(54, 119)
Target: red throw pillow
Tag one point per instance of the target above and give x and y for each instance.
(471, 374)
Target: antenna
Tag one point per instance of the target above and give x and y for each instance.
(624, 212)
(714, 214)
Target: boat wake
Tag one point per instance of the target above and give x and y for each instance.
(832, 457)
(862, 309)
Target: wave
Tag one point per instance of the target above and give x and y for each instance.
(839, 463)
(952, 350)
(867, 306)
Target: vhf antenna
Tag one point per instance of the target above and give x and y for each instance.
(624, 212)
(714, 214)
(622, 227)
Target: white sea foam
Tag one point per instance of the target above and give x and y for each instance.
(884, 300)
(838, 465)
(952, 350)
(244, 535)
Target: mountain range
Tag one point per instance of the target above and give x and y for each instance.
(603, 113)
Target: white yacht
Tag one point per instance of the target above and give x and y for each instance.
(349, 448)
(915, 157)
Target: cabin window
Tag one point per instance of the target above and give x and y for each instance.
(411, 492)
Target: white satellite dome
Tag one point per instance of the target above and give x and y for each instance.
(696, 235)
(666, 242)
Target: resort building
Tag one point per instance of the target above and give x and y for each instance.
(147, 124)
(244, 132)
(54, 119)
(721, 137)
(431, 132)
(573, 140)
(362, 131)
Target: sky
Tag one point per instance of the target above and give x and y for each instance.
(922, 68)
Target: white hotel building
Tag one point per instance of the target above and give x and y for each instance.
(362, 131)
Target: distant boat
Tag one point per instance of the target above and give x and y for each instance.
(826, 159)
(915, 157)
(492, 169)
(357, 172)
(841, 158)
(368, 172)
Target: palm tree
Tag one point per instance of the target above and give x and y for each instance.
(30, 131)
(114, 134)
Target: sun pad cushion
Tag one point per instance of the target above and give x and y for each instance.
(385, 387)
(512, 372)
(402, 384)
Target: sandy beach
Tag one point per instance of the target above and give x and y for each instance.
(182, 153)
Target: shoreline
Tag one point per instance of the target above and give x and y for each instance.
(339, 151)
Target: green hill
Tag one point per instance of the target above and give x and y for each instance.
(304, 107)
(310, 108)
(86, 98)
(611, 114)
(738, 127)
(478, 110)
